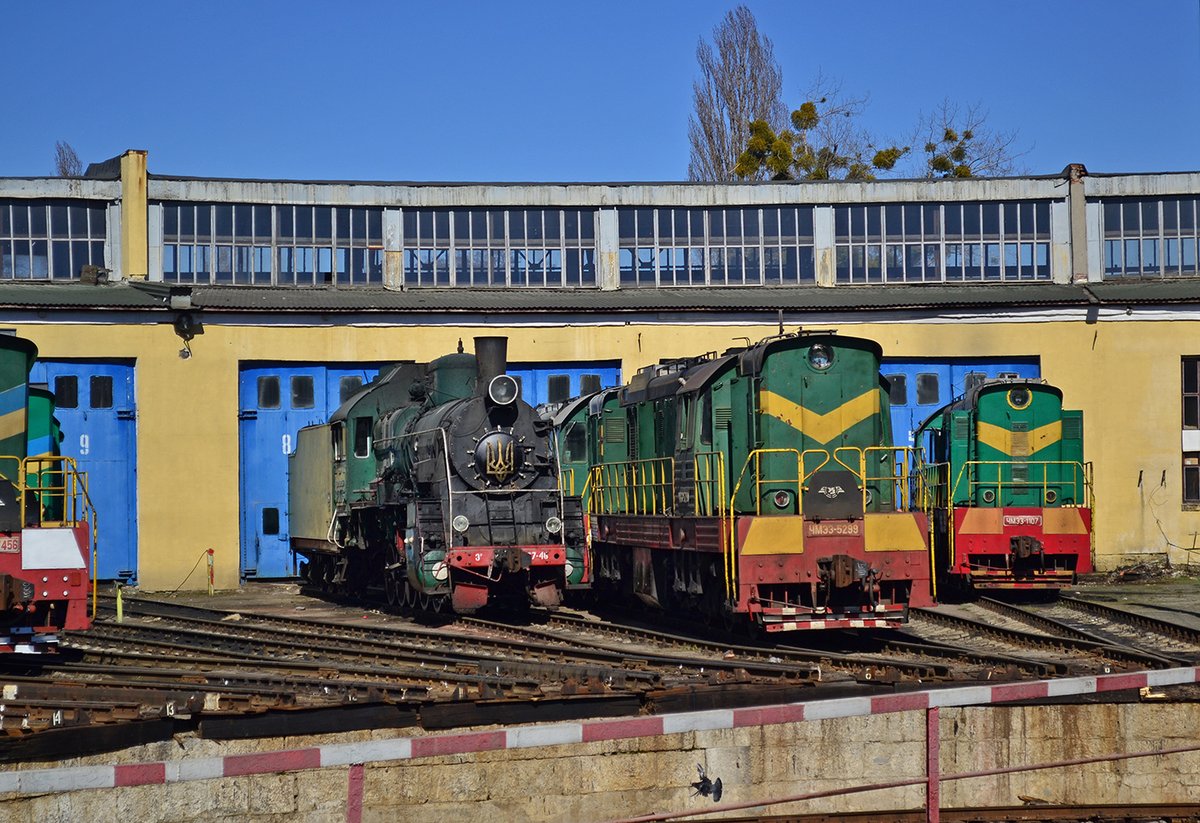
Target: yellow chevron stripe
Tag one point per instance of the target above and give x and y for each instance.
(820, 427)
(1027, 443)
(12, 424)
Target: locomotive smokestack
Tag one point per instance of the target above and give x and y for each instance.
(492, 354)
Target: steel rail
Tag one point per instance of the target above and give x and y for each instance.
(1141, 621)
(254, 652)
(564, 652)
(1061, 645)
(861, 668)
(1041, 669)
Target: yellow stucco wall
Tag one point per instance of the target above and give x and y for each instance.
(1124, 375)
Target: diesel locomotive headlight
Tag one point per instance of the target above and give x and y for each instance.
(782, 499)
(460, 523)
(820, 357)
(989, 496)
(1018, 398)
(553, 525)
(503, 390)
(1051, 495)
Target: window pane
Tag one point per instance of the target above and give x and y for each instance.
(559, 388)
(927, 389)
(898, 391)
(268, 392)
(270, 521)
(362, 436)
(66, 391)
(302, 392)
(348, 387)
(101, 388)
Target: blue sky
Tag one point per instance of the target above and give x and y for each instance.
(567, 91)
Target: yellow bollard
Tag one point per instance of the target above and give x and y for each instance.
(120, 606)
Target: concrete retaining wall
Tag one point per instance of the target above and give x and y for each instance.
(627, 768)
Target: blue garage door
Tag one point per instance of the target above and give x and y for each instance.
(94, 402)
(556, 382)
(274, 402)
(921, 387)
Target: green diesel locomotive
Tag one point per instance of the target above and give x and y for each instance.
(760, 485)
(1011, 494)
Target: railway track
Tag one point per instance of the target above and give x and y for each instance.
(281, 673)
(831, 666)
(533, 655)
(1107, 625)
(1067, 654)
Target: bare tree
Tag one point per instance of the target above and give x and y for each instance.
(826, 142)
(66, 161)
(740, 81)
(958, 143)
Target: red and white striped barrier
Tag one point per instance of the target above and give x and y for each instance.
(74, 778)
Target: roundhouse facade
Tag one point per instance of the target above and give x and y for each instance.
(191, 326)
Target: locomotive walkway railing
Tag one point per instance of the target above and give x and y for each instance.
(634, 486)
(976, 477)
(647, 487)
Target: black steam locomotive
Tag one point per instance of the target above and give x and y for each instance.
(440, 485)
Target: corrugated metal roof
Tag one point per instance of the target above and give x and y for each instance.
(76, 295)
(144, 296)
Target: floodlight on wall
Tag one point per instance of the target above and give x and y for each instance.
(187, 326)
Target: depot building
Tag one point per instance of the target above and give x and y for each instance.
(189, 327)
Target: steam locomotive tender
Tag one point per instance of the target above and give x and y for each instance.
(759, 487)
(47, 524)
(439, 484)
(1012, 495)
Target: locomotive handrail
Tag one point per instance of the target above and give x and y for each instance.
(860, 471)
(755, 459)
(1080, 478)
(714, 462)
(906, 476)
(642, 486)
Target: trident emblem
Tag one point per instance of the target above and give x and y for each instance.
(500, 460)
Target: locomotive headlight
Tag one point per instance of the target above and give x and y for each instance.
(1051, 495)
(1019, 398)
(989, 496)
(553, 525)
(460, 523)
(503, 390)
(782, 499)
(820, 357)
